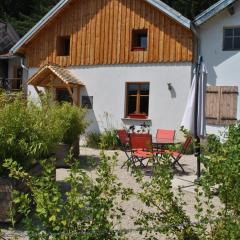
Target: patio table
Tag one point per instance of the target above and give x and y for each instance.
(161, 143)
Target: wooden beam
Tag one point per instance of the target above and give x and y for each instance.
(37, 90)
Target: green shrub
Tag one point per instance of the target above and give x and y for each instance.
(88, 210)
(93, 140)
(109, 140)
(73, 122)
(29, 132)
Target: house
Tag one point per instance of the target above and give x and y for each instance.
(10, 66)
(128, 59)
(219, 44)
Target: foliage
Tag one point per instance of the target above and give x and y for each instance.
(93, 140)
(25, 133)
(86, 210)
(29, 132)
(73, 122)
(167, 216)
(190, 8)
(109, 140)
(25, 13)
(213, 220)
(222, 171)
(106, 140)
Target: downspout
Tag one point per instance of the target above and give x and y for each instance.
(197, 40)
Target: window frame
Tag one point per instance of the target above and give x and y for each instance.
(133, 39)
(138, 96)
(223, 43)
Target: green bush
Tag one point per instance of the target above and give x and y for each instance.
(88, 210)
(29, 132)
(93, 140)
(73, 122)
(109, 140)
(213, 220)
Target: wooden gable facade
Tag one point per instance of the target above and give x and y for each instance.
(100, 32)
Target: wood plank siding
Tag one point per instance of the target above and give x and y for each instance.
(101, 33)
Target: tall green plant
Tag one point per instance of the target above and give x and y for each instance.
(29, 132)
(73, 122)
(88, 210)
(167, 216)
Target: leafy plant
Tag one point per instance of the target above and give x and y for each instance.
(109, 140)
(93, 140)
(212, 221)
(87, 210)
(73, 122)
(167, 216)
(29, 132)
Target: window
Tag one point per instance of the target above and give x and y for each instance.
(231, 39)
(63, 46)
(137, 99)
(139, 40)
(62, 95)
(87, 102)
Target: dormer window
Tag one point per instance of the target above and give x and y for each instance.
(231, 39)
(139, 39)
(63, 46)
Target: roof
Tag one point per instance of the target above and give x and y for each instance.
(63, 74)
(8, 37)
(212, 11)
(156, 3)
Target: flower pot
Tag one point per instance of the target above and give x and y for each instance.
(61, 154)
(138, 116)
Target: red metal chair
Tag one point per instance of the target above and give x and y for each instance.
(141, 148)
(165, 136)
(176, 156)
(123, 137)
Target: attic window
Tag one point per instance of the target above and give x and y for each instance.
(139, 39)
(231, 39)
(63, 46)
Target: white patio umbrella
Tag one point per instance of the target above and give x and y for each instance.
(194, 115)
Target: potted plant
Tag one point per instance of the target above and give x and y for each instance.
(73, 125)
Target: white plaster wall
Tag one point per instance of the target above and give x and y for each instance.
(107, 86)
(223, 66)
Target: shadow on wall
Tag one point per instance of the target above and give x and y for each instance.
(172, 92)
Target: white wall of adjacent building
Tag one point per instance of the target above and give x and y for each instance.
(223, 66)
(107, 85)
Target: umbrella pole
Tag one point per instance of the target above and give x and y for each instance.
(197, 138)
